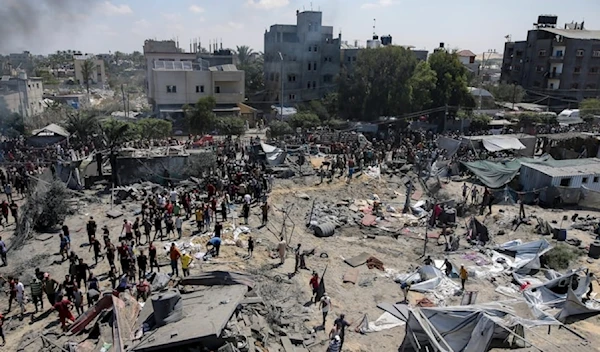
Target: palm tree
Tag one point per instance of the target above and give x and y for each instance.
(244, 55)
(87, 72)
(82, 125)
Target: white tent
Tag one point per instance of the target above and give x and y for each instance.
(274, 155)
(526, 255)
(496, 144)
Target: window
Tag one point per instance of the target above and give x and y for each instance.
(595, 179)
(315, 66)
(171, 89)
(353, 58)
(199, 89)
(577, 69)
(308, 85)
(596, 53)
(315, 49)
(594, 70)
(29, 86)
(519, 53)
(565, 182)
(314, 85)
(349, 59)
(574, 85)
(580, 53)
(327, 78)
(309, 66)
(292, 97)
(584, 180)
(291, 78)
(277, 77)
(558, 53)
(309, 48)
(539, 68)
(217, 90)
(37, 85)
(542, 53)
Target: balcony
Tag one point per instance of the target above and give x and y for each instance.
(554, 75)
(555, 58)
(229, 98)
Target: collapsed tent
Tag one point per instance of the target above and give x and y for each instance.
(500, 143)
(450, 145)
(273, 155)
(553, 293)
(526, 255)
(467, 328)
(574, 306)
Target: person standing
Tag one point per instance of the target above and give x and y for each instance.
(3, 252)
(14, 210)
(186, 260)
(91, 227)
(78, 300)
(142, 262)
(95, 245)
(8, 191)
(265, 213)
(246, 212)
(174, 254)
(50, 287)
(20, 295)
(341, 324)
(314, 285)
(224, 209)
(158, 227)
(110, 252)
(152, 254)
(281, 249)
(250, 246)
(128, 229)
(325, 306)
(218, 229)
(2, 330)
(147, 229)
(36, 293)
(464, 275)
(82, 270)
(179, 225)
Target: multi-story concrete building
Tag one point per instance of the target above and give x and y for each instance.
(98, 76)
(22, 95)
(175, 78)
(21, 61)
(561, 63)
(307, 53)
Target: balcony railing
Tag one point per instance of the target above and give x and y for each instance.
(556, 58)
(554, 74)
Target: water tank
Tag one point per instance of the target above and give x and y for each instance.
(324, 230)
(386, 40)
(594, 250)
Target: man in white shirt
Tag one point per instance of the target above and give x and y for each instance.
(179, 225)
(173, 196)
(20, 295)
(325, 306)
(247, 198)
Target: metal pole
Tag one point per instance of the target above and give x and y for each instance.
(281, 77)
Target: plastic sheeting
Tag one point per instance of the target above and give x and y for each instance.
(526, 255)
(449, 144)
(498, 174)
(500, 143)
(274, 155)
(553, 294)
(385, 322)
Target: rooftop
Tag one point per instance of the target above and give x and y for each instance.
(466, 53)
(569, 167)
(575, 33)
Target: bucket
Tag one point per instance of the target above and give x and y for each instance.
(594, 251)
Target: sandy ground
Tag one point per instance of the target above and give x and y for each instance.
(402, 254)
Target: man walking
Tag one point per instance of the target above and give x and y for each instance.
(186, 260)
(174, 254)
(36, 293)
(464, 275)
(152, 254)
(179, 225)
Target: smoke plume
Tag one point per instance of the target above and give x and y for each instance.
(34, 24)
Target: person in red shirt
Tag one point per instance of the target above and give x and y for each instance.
(63, 307)
(2, 330)
(210, 188)
(314, 284)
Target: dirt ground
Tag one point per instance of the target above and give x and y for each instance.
(355, 300)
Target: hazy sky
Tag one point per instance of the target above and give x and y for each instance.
(97, 26)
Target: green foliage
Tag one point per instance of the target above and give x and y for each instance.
(422, 83)
(589, 108)
(230, 125)
(331, 102)
(278, 129)
(559, 257)
(154, 128)
(244, 55)
(199, 163)
(52, 207)
(87, 73)
(379, 84)
(200, 117)
(117, 132)
(506, 92)
(304, 120)
(529, 119)
(82, 125)
(480, 121)
(451, 86)
(337, 124)
(254, 74)
(319, 109)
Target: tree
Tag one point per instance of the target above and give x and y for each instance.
(304, 120)
(254, 75)
(422, 83)
(231, 125)
(82, 125)
(506, 92)
(87, 72)
(244, 55)
(154, 128)
(451, 86)
(331, 103)
(379, 84)
(278, 129)
(317, 107)
(200, 117)
(116, 132)
(589, 108)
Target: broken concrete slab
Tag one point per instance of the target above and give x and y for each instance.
(287, 344)
(351, 276)
(358, 260)
(114, 213)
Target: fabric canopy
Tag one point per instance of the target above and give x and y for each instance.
(494, 174)
(526, 255)
(496, 144)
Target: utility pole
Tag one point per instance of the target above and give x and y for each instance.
(281, 77)
(124, 101)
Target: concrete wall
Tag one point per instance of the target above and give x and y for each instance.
(98, 73)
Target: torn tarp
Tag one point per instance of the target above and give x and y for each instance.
(574, 306)
(553, 293)
(500, 143)
(526, 255)
(494, 174)
(273, 155)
